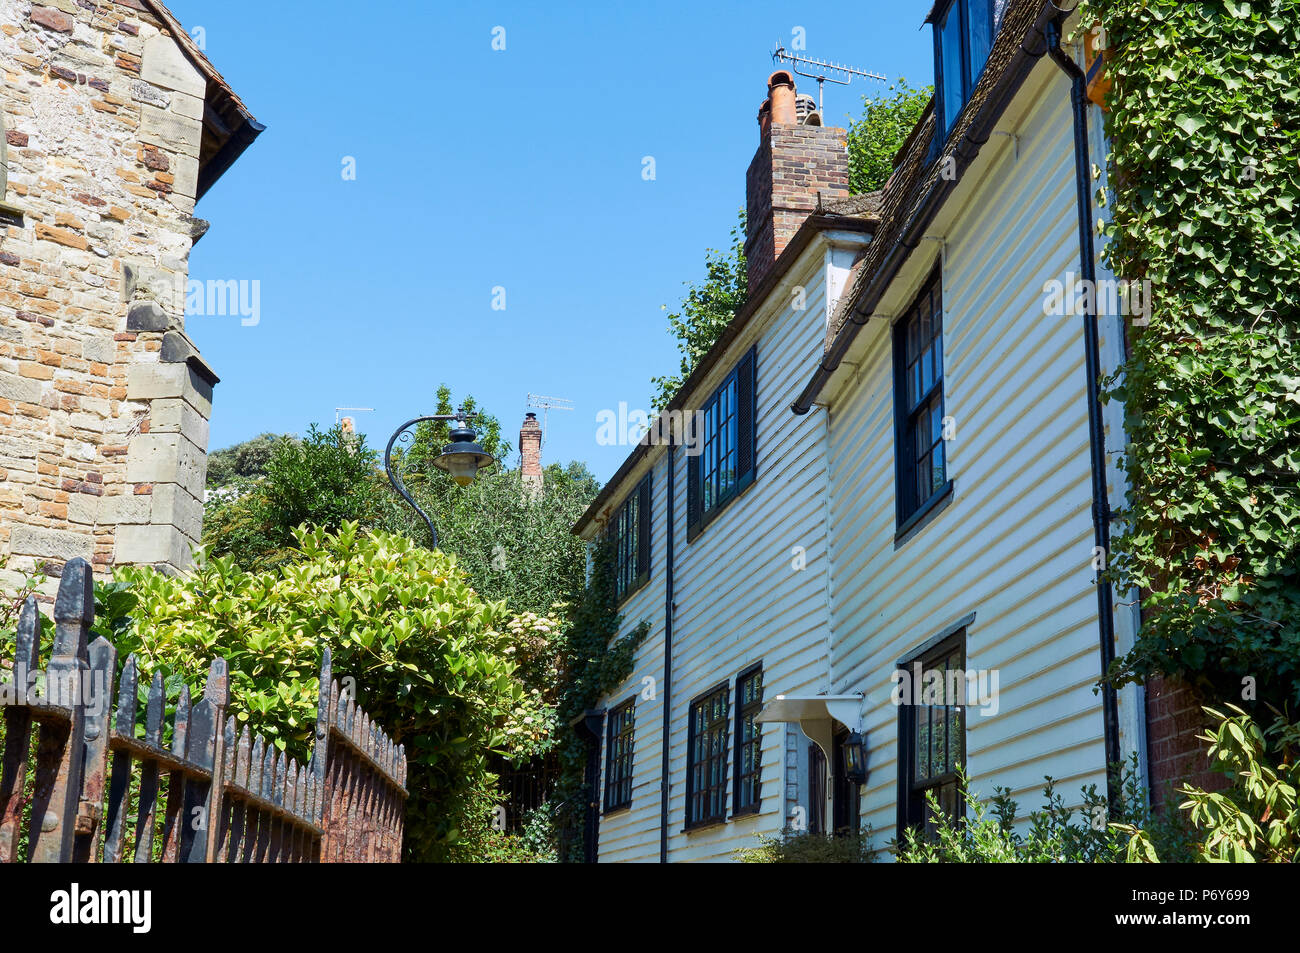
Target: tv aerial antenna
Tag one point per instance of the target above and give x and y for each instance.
(546, 405)
(339, 410)
(822, 71)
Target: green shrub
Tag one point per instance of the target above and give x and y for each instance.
(801, 847)
(1055, 834)
(1256, 819)
(431, 662)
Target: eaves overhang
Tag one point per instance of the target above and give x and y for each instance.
(228, 126)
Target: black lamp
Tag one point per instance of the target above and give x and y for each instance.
(463, 458)
(855, 759)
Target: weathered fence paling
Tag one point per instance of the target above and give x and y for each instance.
(229, 797)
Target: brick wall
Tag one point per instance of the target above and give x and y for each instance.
(792, 167)
(1175, 755)
(104, 402)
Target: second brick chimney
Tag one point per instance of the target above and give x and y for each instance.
(530, 454)
(794, 164)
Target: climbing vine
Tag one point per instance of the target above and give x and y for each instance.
(1204, 127)
(596, 660)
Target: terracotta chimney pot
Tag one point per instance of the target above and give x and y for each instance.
(780, 90)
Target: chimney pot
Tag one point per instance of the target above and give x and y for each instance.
(530, 454)
(781, 93)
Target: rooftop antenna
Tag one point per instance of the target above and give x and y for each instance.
(547, 404)
(823, 70)
(339, 410)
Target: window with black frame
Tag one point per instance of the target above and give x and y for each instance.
(706, 765)
(963, 36)
(748, 770)
(932, 735)
(631, 529)
(618, 755)
(918, 402)
(721, 459)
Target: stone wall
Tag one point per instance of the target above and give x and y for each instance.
(104, 402)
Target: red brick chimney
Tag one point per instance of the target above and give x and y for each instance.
(530, 452)
(794, 165)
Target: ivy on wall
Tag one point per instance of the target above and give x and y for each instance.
(1204, 126)
(596, 661)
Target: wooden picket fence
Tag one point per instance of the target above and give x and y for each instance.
(229, 798)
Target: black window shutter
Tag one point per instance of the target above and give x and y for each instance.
(692, 491)
(643, 530)
(746, 414)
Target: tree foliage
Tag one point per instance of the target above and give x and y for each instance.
(513, 545)
(326, 479)
(706, 310)
(432, 435)
(875, 138)
(1204, 123)
(243, 461)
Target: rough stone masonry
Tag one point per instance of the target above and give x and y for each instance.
(113, 124)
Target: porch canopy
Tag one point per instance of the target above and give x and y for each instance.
(816, 715)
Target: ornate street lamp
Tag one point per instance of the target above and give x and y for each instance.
(461, 459)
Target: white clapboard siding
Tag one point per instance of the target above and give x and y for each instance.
(633, 833)
(739, 598)
(1015, 544)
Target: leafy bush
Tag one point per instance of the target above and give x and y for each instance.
(801, 847)
(430, 661)
(535, 844)
(1055, 834)
(1256, 819)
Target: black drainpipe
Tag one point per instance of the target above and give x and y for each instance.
(666, 694)
(1101, 514)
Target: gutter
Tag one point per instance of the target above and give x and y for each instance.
(1101, 514)
(964, 152)
(666, 688)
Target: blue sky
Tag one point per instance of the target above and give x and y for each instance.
(479, 169)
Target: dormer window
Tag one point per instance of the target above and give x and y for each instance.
(963, 36)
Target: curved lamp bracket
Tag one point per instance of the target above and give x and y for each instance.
(405, 435)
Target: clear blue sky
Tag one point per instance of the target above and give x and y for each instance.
(476, 169)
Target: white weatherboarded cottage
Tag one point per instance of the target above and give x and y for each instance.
(893, 480)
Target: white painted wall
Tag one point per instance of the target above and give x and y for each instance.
(1015, 545)
(739, 600)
